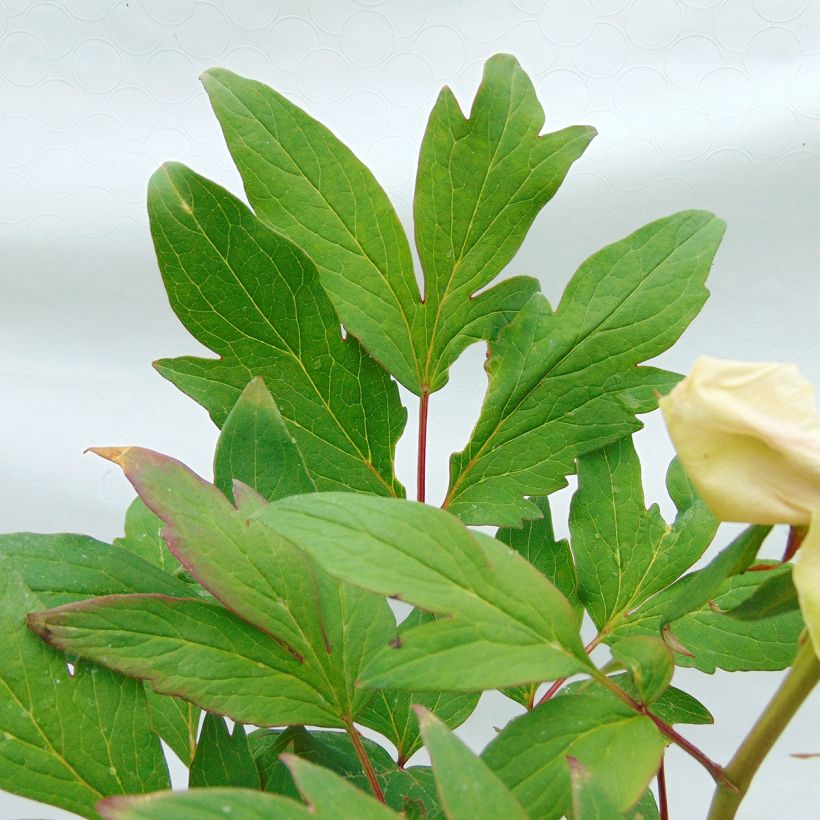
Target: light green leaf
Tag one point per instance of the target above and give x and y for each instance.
(589, 800)
(143, 537)
(255, 447)
(176, 721)
(255, 299)
(713, 640)
(535, 541)
(509, 625)
(67, 739)
(481, 182)
(464, 781)
(331, 627)
(563, 384)
(202, 804)
(62, 568)
(222, 759)
(774, 596)
(624, 552)
(621, 749)
(391, 713)
(194, 649)
(650, 664)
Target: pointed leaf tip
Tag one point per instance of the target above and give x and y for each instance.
(115, 454)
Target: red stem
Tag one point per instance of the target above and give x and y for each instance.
(422, 449)
(367, 766)
(663, 805)
(795, 539)
(561, 681)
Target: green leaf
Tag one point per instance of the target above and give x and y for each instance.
(63, 568)
(563, 384)
(535, 541)
(391, 713)
(222, 758)
(673, 706)
(481, 182)
(255, 299)
(624, 552)
(775, 596)
(645, 809)
(704, 584)
(331, 628)
(256, 448)
(464, 781)
(194, 649)
(711, 639)
(650, 664)
(143, 537)
(67, 739)
(621, 748)
(589, 800)
(509, 625)
(176, 721)
(201, 804)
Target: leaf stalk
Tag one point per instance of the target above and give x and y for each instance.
(367, 765)
(421, 469)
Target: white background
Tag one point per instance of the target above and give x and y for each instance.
(699, 103)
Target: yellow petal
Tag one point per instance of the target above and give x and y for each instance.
(748, 436)
(806, 575)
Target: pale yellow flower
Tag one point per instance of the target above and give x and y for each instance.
(806, 576)
(748, 436)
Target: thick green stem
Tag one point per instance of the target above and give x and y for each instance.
(795, 688)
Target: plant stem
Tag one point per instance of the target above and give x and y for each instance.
(421, 465)
(794, 689)
(367, 766)
(561, 681)
(718, 775)
(663, 803)
(795, 539)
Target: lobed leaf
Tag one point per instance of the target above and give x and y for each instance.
(176, 721)
(650, 664)
(775, 596)
(565, 383)
(223, 758)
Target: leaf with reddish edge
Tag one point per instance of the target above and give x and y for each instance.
(334, 627)
(193, 649)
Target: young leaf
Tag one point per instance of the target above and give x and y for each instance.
(65, 739)
(650, 664)
(255, 299)
(566, 383)
(509, 625)
(711, 639)
(176, 721)
(222, 758)
(193, 649)
(624, 552)
(535, 540)
(256, 448)
(391, 713)
(201, 804)
(331, 627)
(63, 568)
(774, 596)
(621, 748)
(143, 537)
(464, 782)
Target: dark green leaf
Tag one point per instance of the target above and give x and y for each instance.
(566, 383)
(624, 552)
(143, 537)
(703, 585)
(646, 809)
(222, 758)
(256, 448)
(650, 664)
(775, 596)
(391, 713)
(176, 721)
(331, 627)
(67, 739)
(464, 782)
(535, 540)
(509, 624)
(194, 649)
(63, 568)
(621, 748)
(255, 299)
(711, 639)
